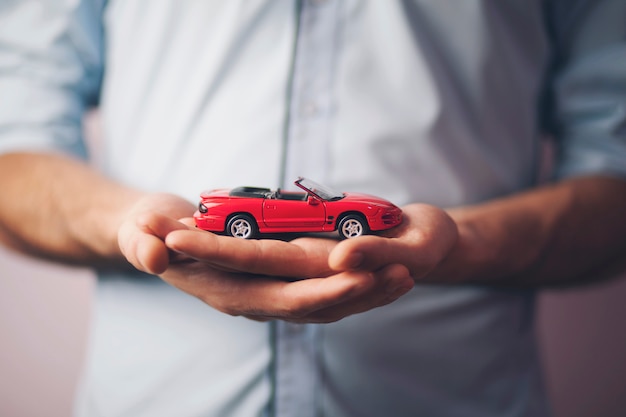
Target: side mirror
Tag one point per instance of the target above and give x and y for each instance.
(312, 201)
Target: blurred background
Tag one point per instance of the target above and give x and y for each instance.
(44, 316)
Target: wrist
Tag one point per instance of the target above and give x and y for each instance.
(96, 227)
(469, 258)
(501, 242)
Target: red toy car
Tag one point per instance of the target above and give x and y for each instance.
(244, 212)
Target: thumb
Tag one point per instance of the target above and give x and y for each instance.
(370, 253)
(141, 241)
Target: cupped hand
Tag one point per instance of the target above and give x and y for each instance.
(422, 242)
(306, 280)
(273, 279)
(252, 278)
(334, 279)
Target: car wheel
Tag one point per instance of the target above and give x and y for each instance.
(351, 226)
(241, 226)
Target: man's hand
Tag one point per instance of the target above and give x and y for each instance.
(425, 238)
(140, 236)
(308, 279)
(255, 278)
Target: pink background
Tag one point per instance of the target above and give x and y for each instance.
(44, 315)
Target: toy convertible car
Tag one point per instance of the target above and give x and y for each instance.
(245, 212)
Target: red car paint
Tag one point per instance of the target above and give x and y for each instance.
(245, 212)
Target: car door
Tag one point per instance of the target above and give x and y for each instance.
(295, 215)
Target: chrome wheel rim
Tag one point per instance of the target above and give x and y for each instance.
(352, 228)
(241, 228)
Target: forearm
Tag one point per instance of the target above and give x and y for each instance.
(59, 208)
(559, 234)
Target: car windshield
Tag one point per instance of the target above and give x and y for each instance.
(319, 190)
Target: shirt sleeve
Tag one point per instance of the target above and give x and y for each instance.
(50, 72)
(587, 114)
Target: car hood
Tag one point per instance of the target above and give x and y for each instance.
(367, 199)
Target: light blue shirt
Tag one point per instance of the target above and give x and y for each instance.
(437, 101)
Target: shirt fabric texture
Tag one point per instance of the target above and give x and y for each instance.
(436, 101)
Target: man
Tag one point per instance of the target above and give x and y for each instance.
(431, 104)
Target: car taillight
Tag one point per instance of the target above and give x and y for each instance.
(202, 208)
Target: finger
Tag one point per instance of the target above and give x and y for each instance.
(392, 281)
(158, 224)
(261, 319)
(375, 290)
(188, 221)
(264, 297)
(300, 258)
(144, 251)
(140, 240)
(152, 254)
(374, 252)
